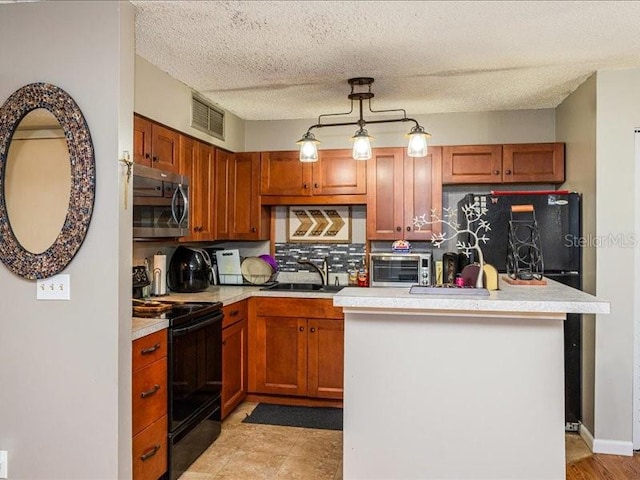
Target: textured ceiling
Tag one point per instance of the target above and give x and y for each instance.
(291, 59)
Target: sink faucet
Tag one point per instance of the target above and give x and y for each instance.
(323, 272)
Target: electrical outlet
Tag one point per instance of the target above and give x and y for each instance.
(57, 287)
(4, 467)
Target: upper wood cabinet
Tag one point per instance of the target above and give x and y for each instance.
(399, 188)
(335, 177)
(240, 216)
(154, 145)
(512, 163)
(197, 161)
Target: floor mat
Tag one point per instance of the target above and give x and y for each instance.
(326, 418)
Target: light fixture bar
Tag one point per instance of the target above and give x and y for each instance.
(417, 135)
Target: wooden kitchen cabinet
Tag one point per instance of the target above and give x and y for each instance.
(155, 145)
(512, 163)
(234, 356)
(197, 161)
(296, 348)
(149, 406)
(334, 178)
(399, 188)
(239, 214)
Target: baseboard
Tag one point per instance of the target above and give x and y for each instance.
(612, 447)
(587, 436)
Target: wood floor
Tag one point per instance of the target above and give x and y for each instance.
(605, 467)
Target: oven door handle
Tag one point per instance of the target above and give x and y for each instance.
(178, 332)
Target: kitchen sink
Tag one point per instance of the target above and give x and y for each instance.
(303, 287)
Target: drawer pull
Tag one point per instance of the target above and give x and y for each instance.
(148, 393)
(147, 351)
(302, 329)
(234, 313)
(146, 456)
(313, 329)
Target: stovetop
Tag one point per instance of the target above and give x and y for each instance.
(182, 313)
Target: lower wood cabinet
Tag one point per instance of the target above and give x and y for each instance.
(234, 356)
(296, 347)
(149, 406)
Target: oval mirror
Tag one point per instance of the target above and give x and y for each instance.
(47, 180)
(37, 180)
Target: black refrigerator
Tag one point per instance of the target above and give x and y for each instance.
(558, 216)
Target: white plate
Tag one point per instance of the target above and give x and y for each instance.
(256, 271)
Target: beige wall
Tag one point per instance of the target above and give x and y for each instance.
(65, 365)
(520, 126)
(166, 100)
(576, 127)
(618, 114)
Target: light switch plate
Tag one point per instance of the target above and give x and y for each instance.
(4, 468)
(57, 287)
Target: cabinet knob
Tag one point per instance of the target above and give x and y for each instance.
(234, 313)
(313, 329)
(302, 329)
(496, 172)
(398, 229)
(147, 155)
(316, 185)
(408, 229)
(508, 172)
(155, 159)
(305, 186)
(254, 229)
(224, 342)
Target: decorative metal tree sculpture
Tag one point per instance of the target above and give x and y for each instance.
(475, 230)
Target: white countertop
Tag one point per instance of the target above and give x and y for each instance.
(227, 294)
(553, 298)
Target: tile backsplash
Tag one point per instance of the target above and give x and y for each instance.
(341, 256)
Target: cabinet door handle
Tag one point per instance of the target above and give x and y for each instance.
(305, 186)
(146, 456)
(148, 393)
(147, 351)
(408, 229)
(147, 155)
(508, 172)
(398, 229)
(313, 329)
(234, 313)
(302, 329)
(224, 342)
(316, 185)
(155, 159)
(496, 172)
(254, 229)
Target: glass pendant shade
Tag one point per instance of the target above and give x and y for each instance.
(361, 145)
(417, 142)
(308, 148)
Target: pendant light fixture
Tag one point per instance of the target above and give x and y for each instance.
(361, 91)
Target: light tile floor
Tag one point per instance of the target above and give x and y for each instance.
(245, 451)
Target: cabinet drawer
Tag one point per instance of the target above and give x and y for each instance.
(297, 307)
(149, 392)
(150, 451)
(149, 349)
(234, 313)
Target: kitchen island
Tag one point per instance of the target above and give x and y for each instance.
(456, 387)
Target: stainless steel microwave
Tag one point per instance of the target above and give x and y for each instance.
(400, 269)
(160, 203)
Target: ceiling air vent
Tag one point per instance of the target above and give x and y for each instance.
(206, 117)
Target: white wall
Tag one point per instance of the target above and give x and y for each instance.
(576, 127)
(65, 365)
(520, 126)
(164, 99)
(618, 113)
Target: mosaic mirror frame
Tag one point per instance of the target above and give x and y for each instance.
(83, 180)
